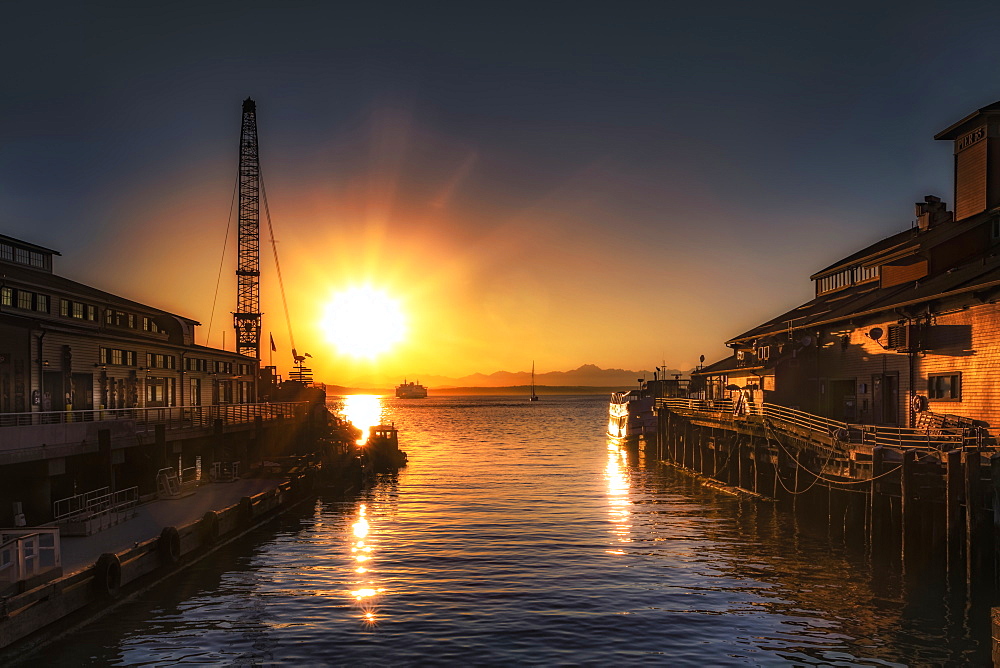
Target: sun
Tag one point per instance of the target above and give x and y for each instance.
(363, 321)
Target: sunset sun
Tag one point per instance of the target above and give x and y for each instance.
(363, 322)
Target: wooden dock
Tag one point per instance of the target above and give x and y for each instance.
(925, 497)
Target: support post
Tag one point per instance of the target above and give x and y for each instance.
(973, 517)
(954, 522)
(879, 513)
(908, 507)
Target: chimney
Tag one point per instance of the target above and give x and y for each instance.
(932, 211)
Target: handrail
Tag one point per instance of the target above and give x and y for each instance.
(901, 438)
(173, 417)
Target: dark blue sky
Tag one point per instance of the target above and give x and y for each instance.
(721, 152)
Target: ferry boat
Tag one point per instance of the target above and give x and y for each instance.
(410, 391)
(630, 414)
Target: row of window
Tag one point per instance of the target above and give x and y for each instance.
(116, 356)
(78, 310)
(33, 301)
(846, 277)
(23, 256)
(129, 320)
(24, 299)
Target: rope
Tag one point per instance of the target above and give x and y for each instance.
(817, 475)
(274, 250)
(222, 260)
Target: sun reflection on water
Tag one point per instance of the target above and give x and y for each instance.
(617, 475)
(366, 594)
(363, 411)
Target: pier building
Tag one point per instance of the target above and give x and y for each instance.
(901, 333)
(98, 391)
(873, 408)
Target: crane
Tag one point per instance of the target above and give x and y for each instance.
(246, 318)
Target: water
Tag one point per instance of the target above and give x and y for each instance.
(519, 535)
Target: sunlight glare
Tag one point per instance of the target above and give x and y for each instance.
(363, 322)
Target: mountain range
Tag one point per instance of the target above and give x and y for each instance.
(587, 375)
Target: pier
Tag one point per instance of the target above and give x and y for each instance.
(924, 497)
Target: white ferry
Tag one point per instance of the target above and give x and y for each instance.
(410, 391)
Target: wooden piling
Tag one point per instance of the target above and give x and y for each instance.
(877, 500)
(909, 508)
(973, 516)
(954, 521)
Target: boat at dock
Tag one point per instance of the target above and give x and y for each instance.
(630, 413)
(410, 391)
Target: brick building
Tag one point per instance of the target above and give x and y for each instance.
(904, 332)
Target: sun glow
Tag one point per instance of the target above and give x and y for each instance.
(363, 321)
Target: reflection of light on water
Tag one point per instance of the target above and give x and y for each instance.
(617, 476)
(363, 411)
(366, 594)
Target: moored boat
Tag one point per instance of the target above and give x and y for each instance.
(631, 414)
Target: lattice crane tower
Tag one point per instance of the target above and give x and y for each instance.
(247, 316)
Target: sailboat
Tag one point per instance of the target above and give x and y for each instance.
(533, 397)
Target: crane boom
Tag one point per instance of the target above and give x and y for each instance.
(246, 318)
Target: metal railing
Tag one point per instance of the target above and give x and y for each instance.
(901, 438)
(25, 553)
(77, 504)
(173, 417)
(99, 506)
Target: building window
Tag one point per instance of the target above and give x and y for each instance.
(42, 303)
(64, 307)
(945, 387)
(6, 296)
(24, 300)
(6, 252)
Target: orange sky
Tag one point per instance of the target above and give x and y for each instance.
(621, 189)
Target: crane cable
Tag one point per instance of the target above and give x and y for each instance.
(277, 265)
(222, 261)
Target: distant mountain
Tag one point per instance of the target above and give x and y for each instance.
(587, 375)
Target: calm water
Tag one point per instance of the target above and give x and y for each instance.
(518, 535)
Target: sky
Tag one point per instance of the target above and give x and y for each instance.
(622, 184)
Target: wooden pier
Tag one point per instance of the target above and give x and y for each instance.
(925, 497)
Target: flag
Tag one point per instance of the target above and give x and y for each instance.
(273, 348)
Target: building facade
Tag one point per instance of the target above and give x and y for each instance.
(903, 332)
(66, 346)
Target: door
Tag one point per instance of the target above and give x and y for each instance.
(885, 399)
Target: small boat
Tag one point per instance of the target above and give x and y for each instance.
(381, 451)
(533, 397)
(410, 391)
(631, 415)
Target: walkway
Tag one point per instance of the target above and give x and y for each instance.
(79, 552)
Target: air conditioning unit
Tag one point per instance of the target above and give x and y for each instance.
(905, 338)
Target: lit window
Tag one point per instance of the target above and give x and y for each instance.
(24, 299)
(42, 303)
(6, 296)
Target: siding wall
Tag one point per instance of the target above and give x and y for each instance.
(970, 180)
(964, 341)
